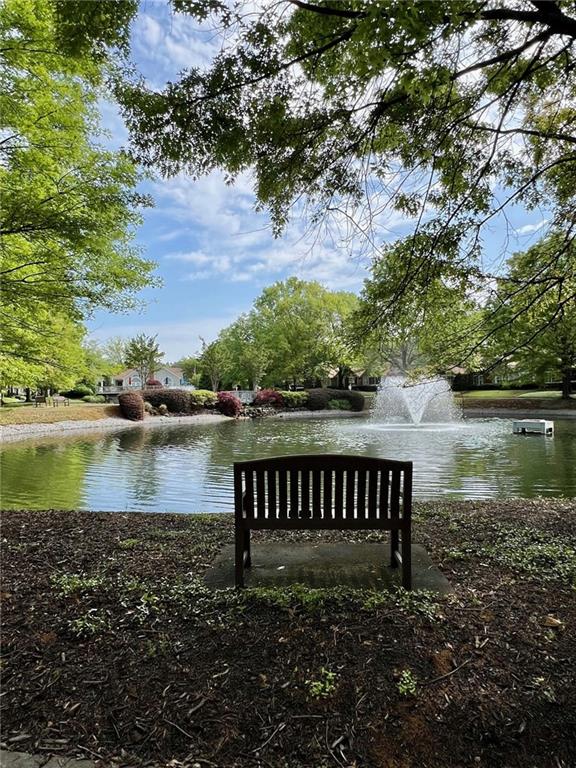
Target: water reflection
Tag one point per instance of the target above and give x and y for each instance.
(188, 468)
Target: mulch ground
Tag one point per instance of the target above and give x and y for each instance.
(112, 647)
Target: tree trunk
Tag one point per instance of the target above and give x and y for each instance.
(566, 383)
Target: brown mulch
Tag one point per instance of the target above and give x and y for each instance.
(113, 648)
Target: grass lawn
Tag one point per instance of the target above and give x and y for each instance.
(114, 647)
(492, 394)
(77, 411)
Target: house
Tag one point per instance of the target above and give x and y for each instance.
(167, 376)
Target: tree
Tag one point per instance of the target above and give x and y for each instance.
(448, 112)
(143, 354)
(214, 362)
(545, 334)
(69, 206)
(300, 325)
(431, 331)
(114, 352)
(246, 354)
(42, 350)
(190, 368)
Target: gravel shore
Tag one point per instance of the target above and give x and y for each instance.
(14, 432)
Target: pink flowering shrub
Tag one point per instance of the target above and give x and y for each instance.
(269, 397)
(228, 404)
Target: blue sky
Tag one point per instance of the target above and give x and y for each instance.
(215, 254)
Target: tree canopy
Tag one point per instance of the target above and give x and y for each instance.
(143, 353)
(69, 205)
(448, 113)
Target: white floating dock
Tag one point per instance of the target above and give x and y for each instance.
(533, 427)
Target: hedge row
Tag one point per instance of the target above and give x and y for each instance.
(319, 399)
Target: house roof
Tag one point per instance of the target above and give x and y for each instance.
(132, 371)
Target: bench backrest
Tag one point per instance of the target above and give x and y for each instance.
(322, 491)
(40, 398)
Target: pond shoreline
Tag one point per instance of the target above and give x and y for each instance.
(14, 432)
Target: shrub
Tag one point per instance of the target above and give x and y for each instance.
(94, 399)
(319, 399)
(295, 399)
(339, 405)
(131, 405)
(80, 391)
(269, 397)
(356, 399)
(228, 404)
(154, 383)
(202, 398)
(175, 400)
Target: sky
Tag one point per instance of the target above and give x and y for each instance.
(215, 253)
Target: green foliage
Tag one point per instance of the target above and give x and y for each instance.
(69, 206)
(202, 398)
(339, 405)
(323, 686)
(79, 392)
(407, 683)
(129, 543)
(94, 399)
(142, 352)
(296, 399)
(90, 624)
(320, 399)
(545, 333)
(447, 112)
(525, 550)
(67, 584)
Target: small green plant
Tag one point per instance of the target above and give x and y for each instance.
(339, 405)
(73, 583)
(407, 683)
(128, 543)
(324, 686)
(91, 623)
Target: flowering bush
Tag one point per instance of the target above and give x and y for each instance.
(154, 383)
(269, 397)
(131, 405)
(228, 404)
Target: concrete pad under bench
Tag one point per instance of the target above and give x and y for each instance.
(360, 565)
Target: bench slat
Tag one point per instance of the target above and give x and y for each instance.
(260, 495)
(361, 502)
(372, 494)
(271, 481)
(383, 505)
(293, 493)
(249, 495)
(327, 494)
(339, 494)
(316, 494)
(305, 504)
(283, 494)
(350, 495)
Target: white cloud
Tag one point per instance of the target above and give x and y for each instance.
(528, 229)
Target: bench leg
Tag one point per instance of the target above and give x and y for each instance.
(393, 549)
(406, 559)
(239, 558)
(248, 557)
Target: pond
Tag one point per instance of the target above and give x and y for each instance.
(188, 467)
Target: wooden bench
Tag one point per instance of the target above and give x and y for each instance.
(40, 400)
(59, 400)
(324, 492)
